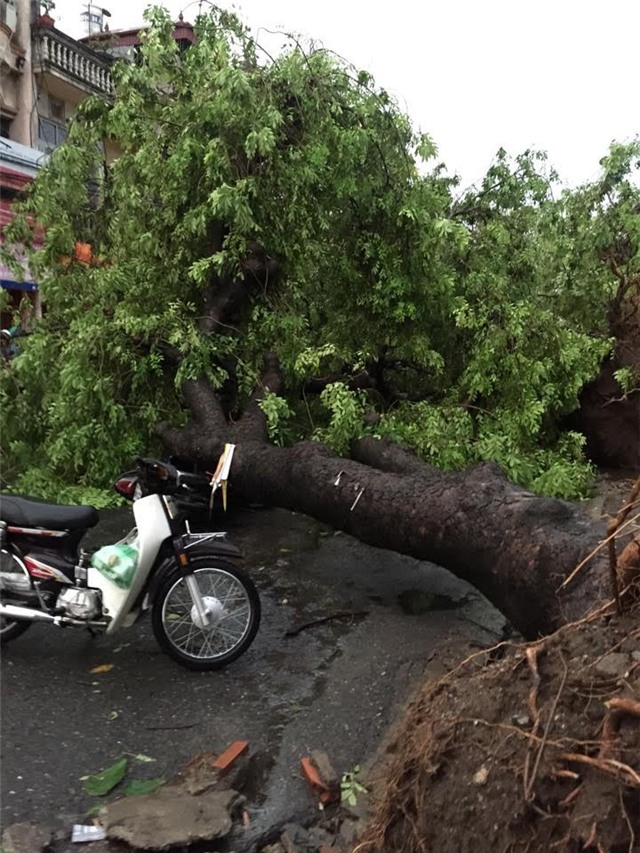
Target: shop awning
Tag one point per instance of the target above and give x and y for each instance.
(10, 281)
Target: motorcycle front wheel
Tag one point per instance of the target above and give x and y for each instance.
(233, 607)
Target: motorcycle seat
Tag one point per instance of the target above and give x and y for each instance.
(28, 512)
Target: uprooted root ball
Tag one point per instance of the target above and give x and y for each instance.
(521, 748)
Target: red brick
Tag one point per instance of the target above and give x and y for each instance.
(224, 761)
(320, 789)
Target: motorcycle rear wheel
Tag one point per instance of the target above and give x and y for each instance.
(229, 593)
(10, 630)
(11, 569)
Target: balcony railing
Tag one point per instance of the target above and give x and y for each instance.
(55, 51)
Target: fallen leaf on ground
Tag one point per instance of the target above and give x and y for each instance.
(136, 787)
(101, 783)
(104, 667)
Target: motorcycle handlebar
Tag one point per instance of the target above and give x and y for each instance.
(167, 475)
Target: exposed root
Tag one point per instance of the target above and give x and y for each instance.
(611, 531)
(466, 767)
(617, 533)
(607, 765)
(530, 780)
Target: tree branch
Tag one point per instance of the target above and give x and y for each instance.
(253, 424)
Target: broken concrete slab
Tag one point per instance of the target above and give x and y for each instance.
(26, 838)
(199, 776)
(169, 817)
(297, 839)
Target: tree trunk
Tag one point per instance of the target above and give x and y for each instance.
(514, 547)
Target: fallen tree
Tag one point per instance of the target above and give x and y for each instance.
(284, 206)
(514, 547)
(278, 206)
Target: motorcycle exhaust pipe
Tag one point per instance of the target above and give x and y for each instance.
(27, 614)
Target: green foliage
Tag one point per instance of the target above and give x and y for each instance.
(350, 787)
(481, 317)
(137, 787)
(277, 412)
(100, 784)
(628, 379)
(346, 409)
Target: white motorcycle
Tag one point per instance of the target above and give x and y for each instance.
(205, 610)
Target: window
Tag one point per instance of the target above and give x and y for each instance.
(50, 134)
(5, 122)
(56, 109)
(8, 15)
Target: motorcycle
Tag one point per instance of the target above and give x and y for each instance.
(205, 610)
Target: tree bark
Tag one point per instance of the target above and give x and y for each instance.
(514, 547)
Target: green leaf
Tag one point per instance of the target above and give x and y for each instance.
(105, 781)
(137, 787)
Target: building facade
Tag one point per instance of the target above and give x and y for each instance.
(44, 74)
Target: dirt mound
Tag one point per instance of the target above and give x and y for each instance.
(521, 748)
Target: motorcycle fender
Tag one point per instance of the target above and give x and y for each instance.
(153, 529)
(195, 547)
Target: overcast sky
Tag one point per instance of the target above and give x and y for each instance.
(559, 75)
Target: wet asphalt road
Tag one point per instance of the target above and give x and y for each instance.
(335, 686)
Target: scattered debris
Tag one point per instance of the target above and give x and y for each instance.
(313, 777)
(198, 775)
(170, 817)
(329, 777)
(143, 759)
(340, 614)
(137, 787)
(481, 776)
(81, 834)
(321, 777)
(230, 756)
(355, 503)
(614, 663)
(26, 838)
(103, 667)
(100, 784)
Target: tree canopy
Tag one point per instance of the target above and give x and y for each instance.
(462, 324)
